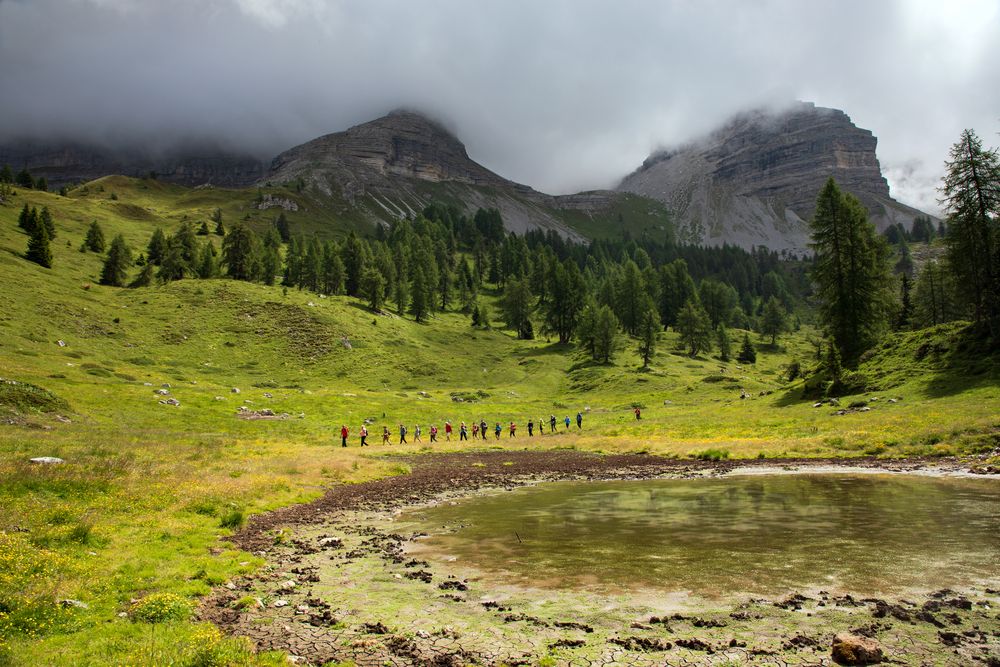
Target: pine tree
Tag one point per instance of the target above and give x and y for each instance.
(971, 197)
(145, 277)
(676, 289)
(649, 329)
(773, 320)
(24, 179)
(6, 174)
(45, 218)
(241, 253)
(850, 271)
(117, 263)
(725, 346)
(747, 354)
(208, 264)
(355, 254)
(605, 334)
(934, 299)
(42, 184)
(718, 300)
(203, 229)
(94, 241)
(567, 292)
(373, 287)
(39, 251)
(157, 247)
(220, 229)
(418, 296)
(695, 327)
(631, 298)
(270, 265)
(516, 306)
(28, 219)
(284, 227)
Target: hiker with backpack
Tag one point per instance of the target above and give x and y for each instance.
(364, 435)
(343, 436)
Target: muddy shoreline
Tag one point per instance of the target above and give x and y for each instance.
(340, 586)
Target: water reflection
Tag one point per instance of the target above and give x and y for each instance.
(757, 534)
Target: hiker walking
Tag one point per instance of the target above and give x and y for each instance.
(566, 421)
(416, 433)
(552, 423)
(364, 435)
(638, 413)
(343, 436)
(541, 426)
(463, 431)
(385, 435)
(475, 430)
(402, 435)
(447, 431)
(531, 427)
(482, 429)
(579, 420)
(434, 433)
(497, 431)
(513, 430)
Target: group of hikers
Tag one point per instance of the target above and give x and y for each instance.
(477, 430)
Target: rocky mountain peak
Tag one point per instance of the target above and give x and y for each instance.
(754, 180)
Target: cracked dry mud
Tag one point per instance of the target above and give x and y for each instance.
(356, 594)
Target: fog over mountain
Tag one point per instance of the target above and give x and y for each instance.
(562, 95)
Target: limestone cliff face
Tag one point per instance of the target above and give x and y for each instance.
(395, 165)
(754, 181)
(61, 164)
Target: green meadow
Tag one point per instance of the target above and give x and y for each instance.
(133, 524)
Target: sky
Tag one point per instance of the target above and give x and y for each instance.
(562, 95)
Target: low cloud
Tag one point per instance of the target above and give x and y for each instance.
(562, 95)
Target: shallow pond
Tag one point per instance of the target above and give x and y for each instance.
(751, 534)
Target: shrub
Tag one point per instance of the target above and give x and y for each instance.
(232, 518)
(160, 607)
(712, 455)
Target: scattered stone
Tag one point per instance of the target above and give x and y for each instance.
(848, 649)
(47, 460)
(287, 585)
(73, 603)
(281, 603)
(423, 394)
(165, 385)
(161, 392)
(61, 343)
(220, 398)
(267, 394)
(170, 401)
(235, 390)
(818, 405)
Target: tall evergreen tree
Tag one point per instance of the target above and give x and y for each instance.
(971, 197)
(905, 305)
(850, 271)
(676, 288)
(28, 219)
(241, 253)
(39, 251)
(695, 327)
(747, 354)
(94, 241)
(567, 292)
(157, 247)
(6, 174)
(649, 329)
(270, 265)
(373, 288)
(355, 260)
(725, 345)
(284, 227)
(516, 305)
(145, 277)
(117, 263)
(24, 179)
(419, 300)
(45, 218)
(605, 337)
(718, 300)
(208, 263)
(934, 299)
(773, 320)
(631, 298)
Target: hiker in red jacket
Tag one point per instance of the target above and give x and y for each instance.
(343, 436)
(447, 431)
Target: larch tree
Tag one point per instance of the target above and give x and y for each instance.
(117, 263)
(851, 272)
(971, 197)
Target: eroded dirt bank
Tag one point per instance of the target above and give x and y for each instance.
(339, 586)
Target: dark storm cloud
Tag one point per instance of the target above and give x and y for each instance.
(561, 95)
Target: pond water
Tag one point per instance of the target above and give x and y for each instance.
(749, 534)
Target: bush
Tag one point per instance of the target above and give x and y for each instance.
(24, 397)
(160, 607)
(712, 455)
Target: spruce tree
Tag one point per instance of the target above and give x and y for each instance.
(39, 251)
(6, 174)
(241, 253)
(418, 296)
(971, 197)
(94, 241)
(850, 271)
(203, 229)
(373, 287)
(567, 291)
(747, 354)
(284, 228)
(27, 219)
(516, 305)
(270, 266)
(605, 334)
(725, 346)
(157, 247)
(208, 264)
(45, 218)
(24, 179)
(42, 184)
(934, 298)
(117, 263)
(145, 277)
(905, 305)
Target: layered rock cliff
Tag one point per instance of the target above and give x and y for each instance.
(754, 181)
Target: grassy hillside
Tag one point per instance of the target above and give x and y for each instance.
(148, 488)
